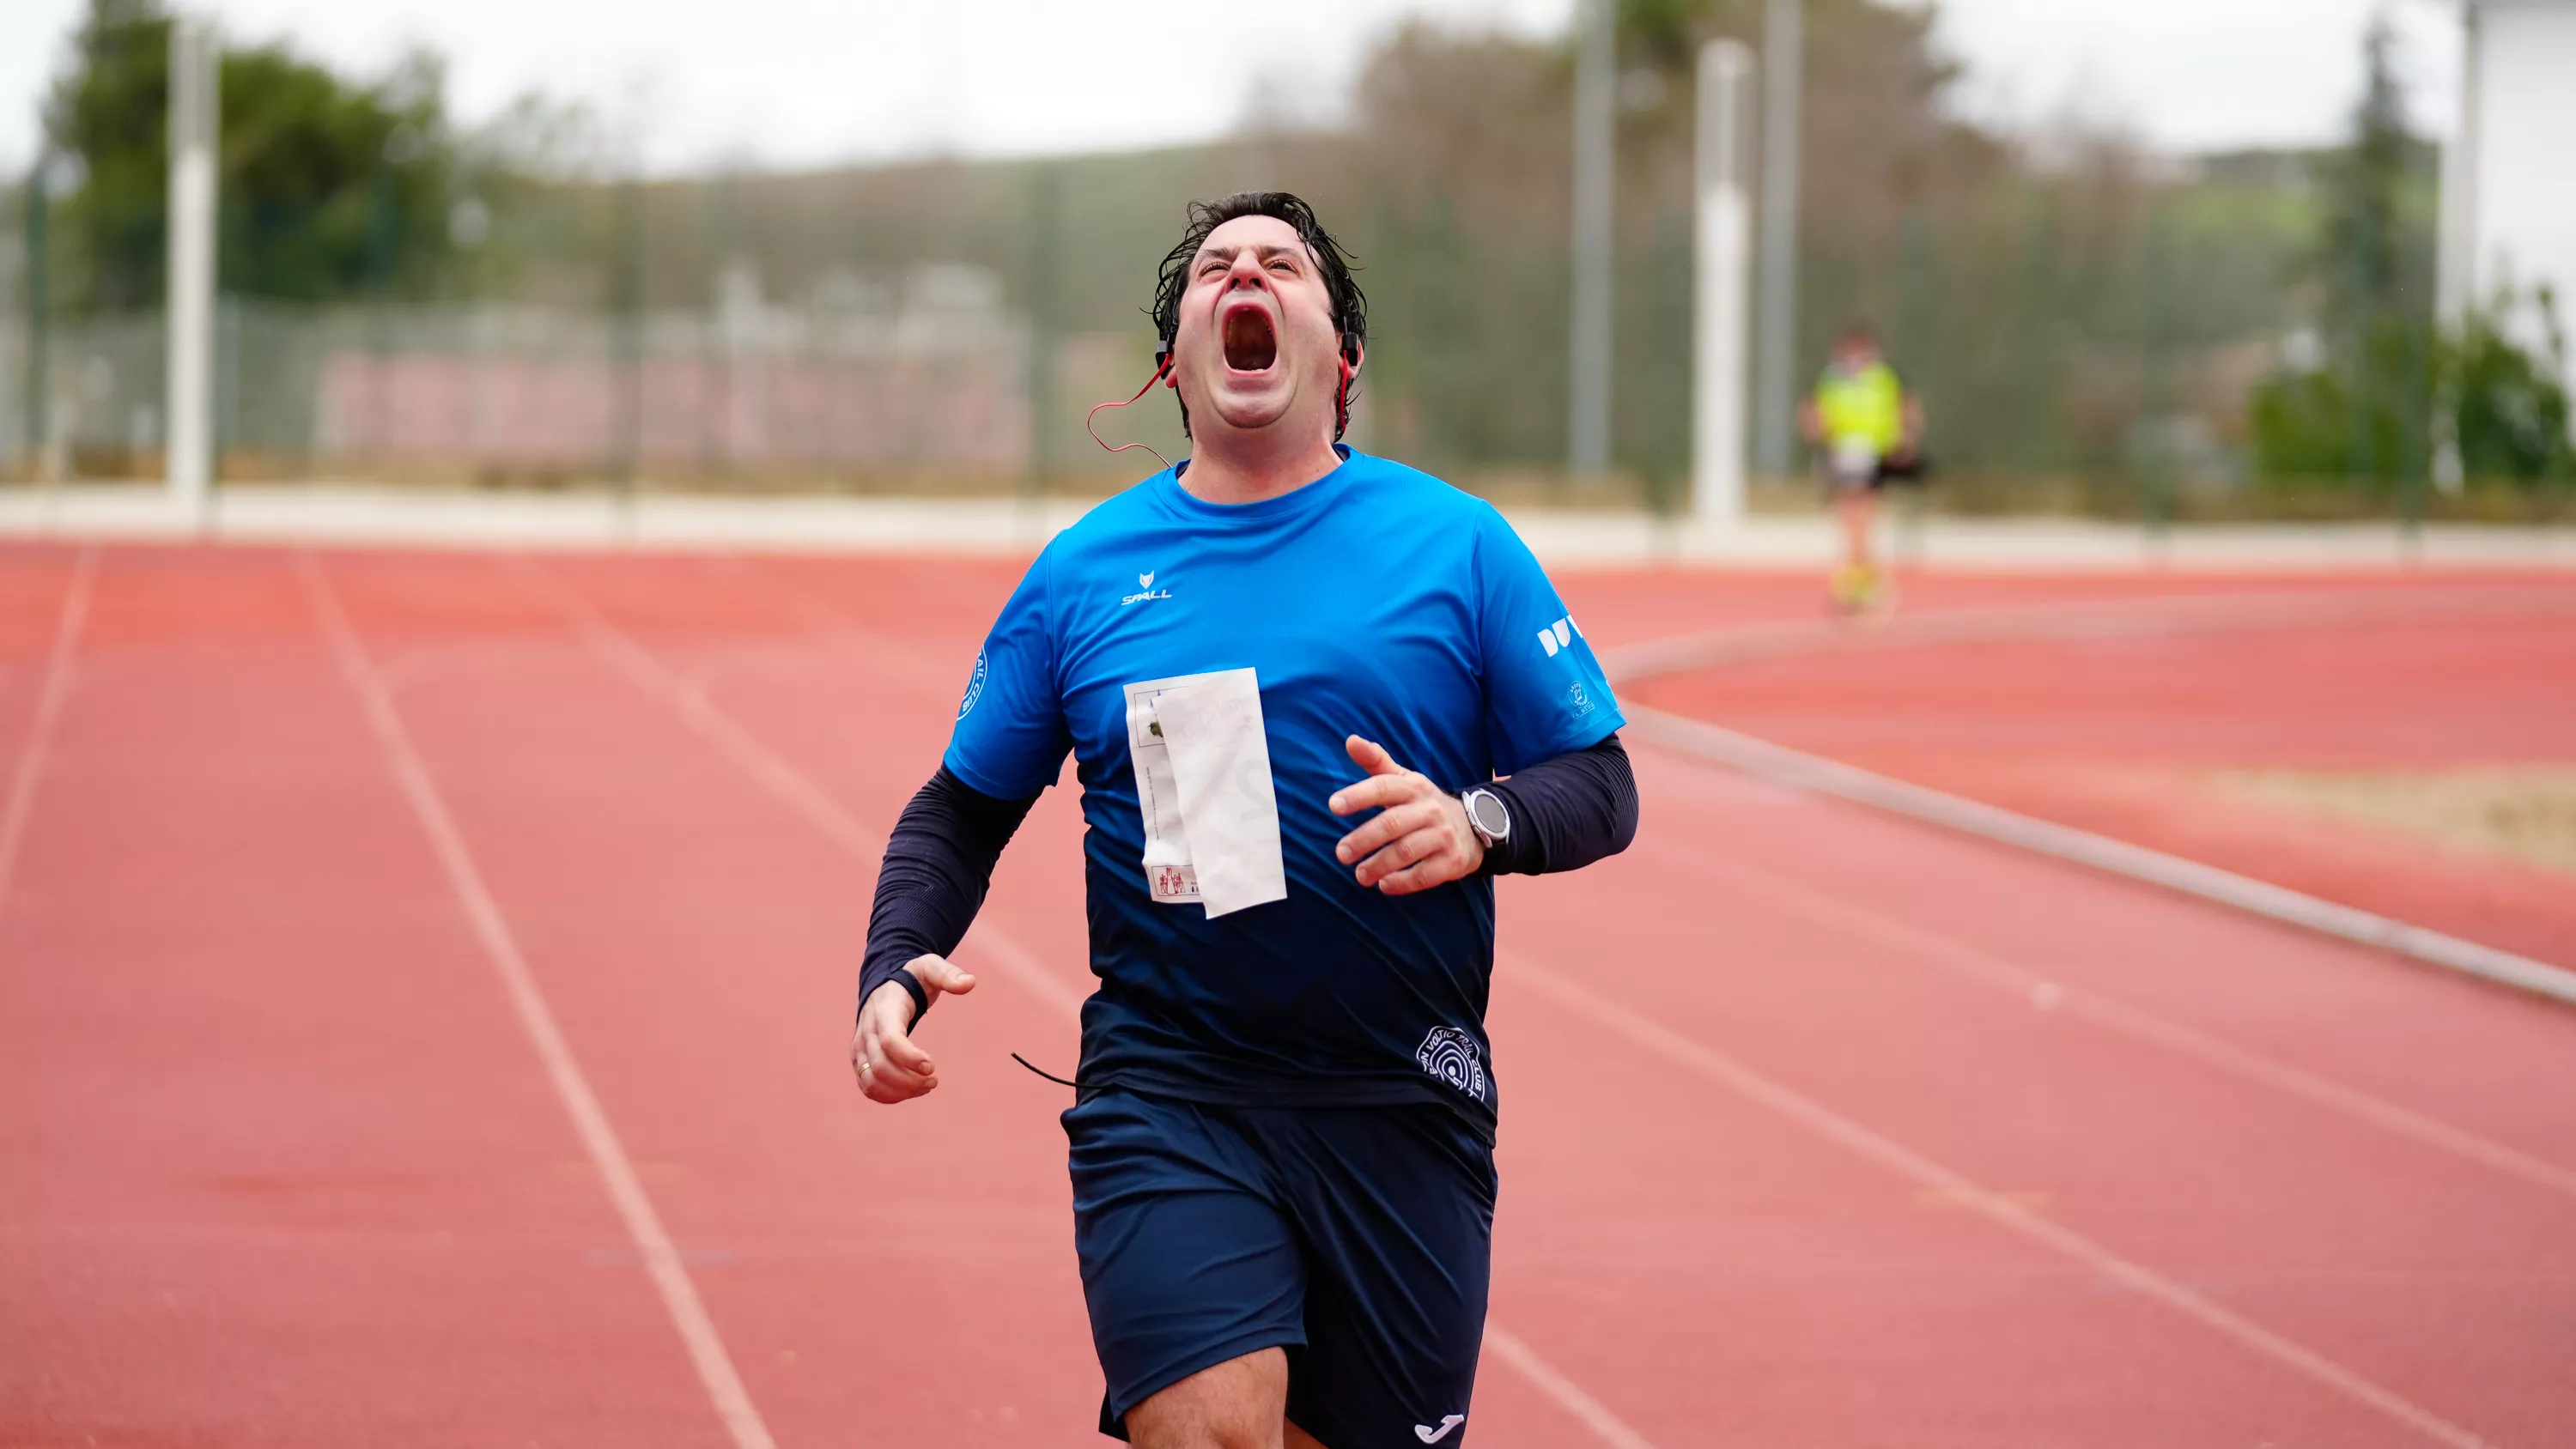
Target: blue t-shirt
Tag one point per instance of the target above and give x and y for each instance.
(1377, 601)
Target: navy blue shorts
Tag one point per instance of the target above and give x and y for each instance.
(1360, 1239)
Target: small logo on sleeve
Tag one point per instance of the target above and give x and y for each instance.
(1144, 590)
(1450, 1055)
(1429, 1435)
(974, 688)
(1578, 698)
(1559, 635)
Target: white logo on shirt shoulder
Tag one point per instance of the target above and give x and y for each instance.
(1450, 1055)
(974, 687)
(1559, 635)
(1429, 1435)
(1578, 698)
(1144, 590)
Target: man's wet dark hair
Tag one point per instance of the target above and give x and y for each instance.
(1350, 308)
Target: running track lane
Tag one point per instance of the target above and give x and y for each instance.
(2115, 717)
(278, 1165)
(1886, 974)
(2371, 1395)
(1713, 1269)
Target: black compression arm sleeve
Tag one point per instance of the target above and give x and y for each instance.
(938, 862)
(1567, 812)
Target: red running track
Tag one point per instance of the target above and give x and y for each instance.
(2124, 716)
(424, 986)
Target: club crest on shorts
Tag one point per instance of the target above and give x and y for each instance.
(1450, 1055)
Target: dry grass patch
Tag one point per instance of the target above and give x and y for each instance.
(2525, 813)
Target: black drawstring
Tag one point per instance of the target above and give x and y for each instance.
(1050, 1076)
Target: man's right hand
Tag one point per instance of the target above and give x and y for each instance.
(889, 1067)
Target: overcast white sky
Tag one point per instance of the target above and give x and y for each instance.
(802, 81)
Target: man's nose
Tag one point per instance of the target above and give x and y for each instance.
(1246, 268)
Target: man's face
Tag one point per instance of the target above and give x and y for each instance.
(1256, 346)
(1855, 352)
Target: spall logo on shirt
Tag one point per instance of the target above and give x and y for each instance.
(1144, 590)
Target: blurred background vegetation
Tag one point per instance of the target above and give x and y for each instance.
(2093, 327)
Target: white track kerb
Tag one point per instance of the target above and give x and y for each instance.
(2059, 842)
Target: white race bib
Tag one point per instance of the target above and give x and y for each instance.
(1203, 786)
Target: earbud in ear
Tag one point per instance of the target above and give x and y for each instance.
(1350, 363)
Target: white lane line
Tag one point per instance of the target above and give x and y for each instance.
(2100, 852)
(1998, 1208)
(656, 680)
(661, 1257)
(1568, 1394)
(744, 576)
(1854, 919)
(49, 708)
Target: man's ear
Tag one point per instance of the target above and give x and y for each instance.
(1354, 351)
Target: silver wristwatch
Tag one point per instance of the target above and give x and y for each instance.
(1487, 816)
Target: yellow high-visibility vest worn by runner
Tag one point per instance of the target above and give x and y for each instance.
(1866, 405)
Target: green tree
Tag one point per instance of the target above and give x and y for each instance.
(2511, 416)
(2363, 415)
(329, 188)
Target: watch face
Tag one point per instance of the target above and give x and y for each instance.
(1488, 814)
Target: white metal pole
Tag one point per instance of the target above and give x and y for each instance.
(2454, 277)
(1724, 284)
(2455, 280)
(188, 433)
(1783, 44)
(1595, 117)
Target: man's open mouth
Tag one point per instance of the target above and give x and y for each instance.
(1250, 344)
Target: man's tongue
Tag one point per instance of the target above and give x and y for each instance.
(1249, 345)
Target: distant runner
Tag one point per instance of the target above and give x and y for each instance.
(1868, 431)
(1288, 673)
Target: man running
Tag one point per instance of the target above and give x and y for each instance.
(1867, 427)
(1288, 673)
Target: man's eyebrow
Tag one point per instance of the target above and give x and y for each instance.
(1264, 250)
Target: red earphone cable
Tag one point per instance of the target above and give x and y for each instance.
(1162, 365)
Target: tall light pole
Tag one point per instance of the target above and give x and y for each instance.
(1725, 250)
(188, 435)
(2455, 258)
(1776, 346)
(1595, 117)
(39, 313)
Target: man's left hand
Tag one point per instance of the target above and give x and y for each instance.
(1419, 839)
